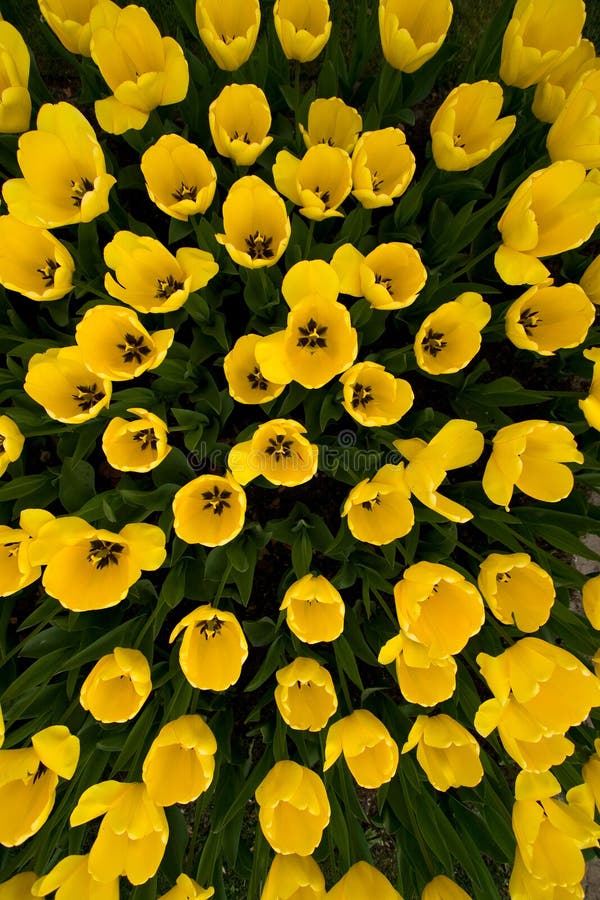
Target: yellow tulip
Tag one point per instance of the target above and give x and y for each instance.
(590, 407)
(443, 888)
(457, 444)
(133, 834)
(209, 510)
(540, 35)
(15, 101)
(246, 382)
(71, 880)
(256, 224)
(239, 121)
(213, 649)
(180, 763)
(314, 609)
(446, 751)
(450, 336)
(591, 601)
(576, 132)
(11, 443)
(531, 455)
(591, 773)
(16, 571)
(149, 278)
(363, 880)
(412, 32)
(142, 74)
(117, 687)
(33, 262)
(389, 277)
(437, 607)
(19, 887)
(421, 679)
(305, 695)
(466, 129)
(92, 568)
(187, 889)
(28, 780)
(318, 183)
(383, 166)
(332, 122)
(279, 451)
(378, 509)
(551, 93)
(293, 877)
(60, 381)
(180, 178)
(370, 751)
(228, 29)
(590, 281)
(553, 210)
(517, 590)
(373, 396)
(64, 174)
(136, 446)
(293, 808)
(547, 318)
(115, 344)
(70, 22)
(303, 27)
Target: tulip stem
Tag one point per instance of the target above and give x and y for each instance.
(222, 584)
(309, 238)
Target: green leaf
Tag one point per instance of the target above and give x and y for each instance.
(77, 484)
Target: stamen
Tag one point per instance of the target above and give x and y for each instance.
(134, 348)
(386, 282)
(257, 380)
(146, 438)
(216, 500)
(529, 319)
(166, 287)
(259, 246)
(87, 396)
(433, 343)
(211, 627)
(279, 447)
(80, 189)
(185, 192)
(361, 395)
(104, 553)
(311, 337)
(48, 271)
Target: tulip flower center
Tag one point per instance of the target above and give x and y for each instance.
(80, 189)
(529, 319)
(2, 440)
(311, 337)
(458, 140)
(242, 137)
(503, 577)
(216, 500)
(377, 182)
(87, 396)
(48, 271)
(41, 770)
(302, 684)
(184, 192)
(102, 553)
(279, 447)
(361, 395)
(259, 246)
(433, 342)
(257, 380)
(369, 504)
(167, 286)
(386, 282)
(146, 438)
(133, 348)
(211, 627)
(12, 549)
(327, 140)
(322, 195)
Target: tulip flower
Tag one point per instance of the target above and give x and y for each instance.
(11, 443)
(70, 22)
(303, 28)
(457, 444)
(447, 752)
(213, 649)
(437, 607)
(590, 595)
(590, 407)
(239, 121)
(142, 74)
(370, 752)
(378, 509)
(117, 687)
(246, 382)
(293, 808)
(389, 277)
(540, 36)
(294, 877)
(553, 210)
(180, 763)
(466, 129)
(16, 571)
(443, 888)
(19, 887)
(517, 590)
(332, 122)
(590, 281)
(136, 446)
(373, 396)
(256, 224)
(450, 336)
(28, 780)
(71, 880)
(314, 609)
(279, 451)
(133, 833)
(576, 132)
(531, 455)
(305, 695)
(187, 889)
(591, 773)
(363, 880)
(149, 278)
(412, 32)
(318, 183)
(60, 381)
(180, 178)
(209, 510)
(551, 93)
(383, 166)
(421, 679)
(547, 318)
(15, 101)
(74, 187)
(33, 262)
(228, 29)
(92, 568)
